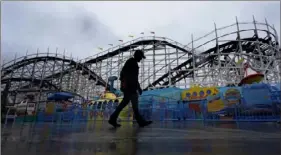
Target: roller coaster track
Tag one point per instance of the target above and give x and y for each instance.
(179, 72)
(247, 45)
(45, 83)
(72, 65)
(135, 43)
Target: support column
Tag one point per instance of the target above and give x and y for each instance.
(258, 44)
(219, 56)
(148, 73)
(53, 70)
(240, 66)
(119, 63)
(278, 50)
(154, 67)
(41, 82)
(272, 58)
(62, 70)
(69, 76)
(9, 82)
(169, 67)
(77, 87)
(193, 58)
(177, 57)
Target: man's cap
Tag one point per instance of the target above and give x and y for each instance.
(139, 53)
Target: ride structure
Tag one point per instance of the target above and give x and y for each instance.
(214, 60)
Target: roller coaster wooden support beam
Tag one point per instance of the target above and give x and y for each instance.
(172, 67)
(240, 49)
(219, 53)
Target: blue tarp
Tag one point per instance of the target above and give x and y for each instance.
(60, 96)
(171, 95)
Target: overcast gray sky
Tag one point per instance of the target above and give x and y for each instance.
(81, 27)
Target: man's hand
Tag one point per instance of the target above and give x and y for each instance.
(139, 88)
(140, 91)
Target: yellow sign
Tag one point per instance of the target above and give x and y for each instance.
(232, 96)
(50, 108)
(198, 93)
(215, 103)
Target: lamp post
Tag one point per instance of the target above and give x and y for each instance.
(142, 33)
(131, 36)
(100, 48)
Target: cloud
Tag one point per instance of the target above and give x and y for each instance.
(28, 26)
(80, 27)
(178, 18)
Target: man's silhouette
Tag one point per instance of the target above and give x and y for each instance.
(131, 89)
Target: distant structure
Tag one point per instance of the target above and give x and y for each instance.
(215, 59)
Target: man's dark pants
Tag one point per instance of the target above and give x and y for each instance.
(128, 96)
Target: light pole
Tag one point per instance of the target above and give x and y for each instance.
(142, 33)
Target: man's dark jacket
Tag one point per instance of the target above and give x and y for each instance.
(129, 76)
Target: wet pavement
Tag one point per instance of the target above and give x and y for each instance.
(99, 138)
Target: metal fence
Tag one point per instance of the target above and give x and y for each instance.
(166, 109)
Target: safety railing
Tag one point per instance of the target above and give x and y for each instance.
(159, 108)
(10, 115)
(168, 112)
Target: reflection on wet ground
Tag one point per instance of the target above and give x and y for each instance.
(160, 138)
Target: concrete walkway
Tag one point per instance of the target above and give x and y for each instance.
(159, 138)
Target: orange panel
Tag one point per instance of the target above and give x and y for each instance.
(194, 107)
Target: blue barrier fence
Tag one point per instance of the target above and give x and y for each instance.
(168, 113)
(159, 108)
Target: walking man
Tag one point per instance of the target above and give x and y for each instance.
(131, 89)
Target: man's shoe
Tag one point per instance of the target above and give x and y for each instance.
(114, 123)
(145, 123)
